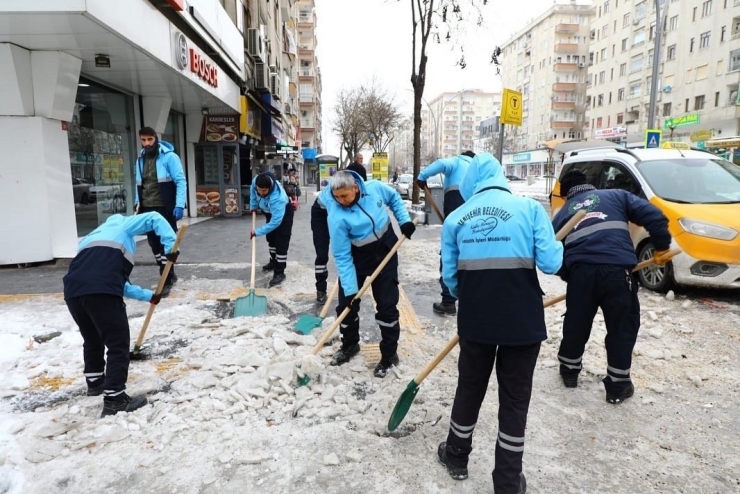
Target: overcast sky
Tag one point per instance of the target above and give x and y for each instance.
(359, 39)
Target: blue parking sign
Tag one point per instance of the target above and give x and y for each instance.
(652, 138)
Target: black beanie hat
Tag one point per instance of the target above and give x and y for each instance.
(469, 154)
(570, 180)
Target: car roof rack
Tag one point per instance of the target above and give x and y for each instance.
(618, 150)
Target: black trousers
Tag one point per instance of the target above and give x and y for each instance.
(614, 290)
(155, 242)
(320, 230)
(278, 240)
(385, 292)
(452, 201)
(514, 371)
(103, 324)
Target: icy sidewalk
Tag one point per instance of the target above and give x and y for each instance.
(226, 415)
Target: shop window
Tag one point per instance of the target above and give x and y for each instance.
(102, 153)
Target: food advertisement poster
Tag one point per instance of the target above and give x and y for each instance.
(231, 201)
(208, 201)
(326, 171)
(220, 128)
(380, 166)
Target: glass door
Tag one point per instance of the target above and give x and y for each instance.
(231, 185)
(208, 180)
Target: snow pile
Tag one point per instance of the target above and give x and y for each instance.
(538, 190)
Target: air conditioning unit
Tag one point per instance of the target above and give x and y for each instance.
(635, 22)
(261, 77)
(581, 65)
(275, 85)
(256, 44)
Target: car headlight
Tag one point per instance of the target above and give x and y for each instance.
(704, 229)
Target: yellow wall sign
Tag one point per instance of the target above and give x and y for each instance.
(511, 107)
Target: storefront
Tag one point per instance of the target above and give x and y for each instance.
(527, 163)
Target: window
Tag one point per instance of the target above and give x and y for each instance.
(716, 99)
(691, 46)
(652, 31)
(620, 94)
(734, 60)
(623, 69)
(671, 52)
(640, 10)
(673, 23)
(605, 31)
(599, 122)
(635, 89)
(620, 118)
(639, 37)
(602, 77)
(704, 39)
(616, 177)
(699, 102)
(612, 75)
(624, 44)
(636, 63)
(650, 58)
(722, 34)
(702, 72)
(603, 54)
(600, 100)
(626, 20)
(610, 97)
(706, 8)
(686, 104)
(666, 109)
(693, 15)
(606, 6)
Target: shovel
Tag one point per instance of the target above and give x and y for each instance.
(251, 305)
(307, 323)
(428, 196)
(407, 397)
(135, 354)
(302, 381)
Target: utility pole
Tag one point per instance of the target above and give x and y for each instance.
(659, 23)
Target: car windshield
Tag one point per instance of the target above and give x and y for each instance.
(694, 181)
(405, 179)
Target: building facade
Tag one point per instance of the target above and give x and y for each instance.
(547, 62)
(699, 70)
(215, 78)
(450, 121)
(309, 89)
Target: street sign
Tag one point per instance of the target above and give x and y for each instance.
(511, 107)
(652, 138)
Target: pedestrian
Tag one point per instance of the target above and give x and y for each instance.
(268, 195)
(320, 232)
(491, 247)
(599, 258)
(160, 188)
(395, 176)
(94, 287)
(358, 167)
(453, 169)
(361, 237)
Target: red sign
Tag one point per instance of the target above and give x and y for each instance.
(203, 68)
(177, 5)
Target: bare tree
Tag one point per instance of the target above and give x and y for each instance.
(349, 121)
(437, 18)
(382, 115)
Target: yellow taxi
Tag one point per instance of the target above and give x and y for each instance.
(699, 193)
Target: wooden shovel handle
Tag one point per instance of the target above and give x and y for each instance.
(428, 197)
(572, 222)
(329, 299)
(368, 281)
(160, 286)
(254, 250)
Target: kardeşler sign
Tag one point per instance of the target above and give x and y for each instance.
(199, 64)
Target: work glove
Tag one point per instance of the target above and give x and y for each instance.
(252, 234)
(408, 229)
(155, 299)
(177, 213)
(422, 184)
(172, 256)
(351, 302)
(661, 257)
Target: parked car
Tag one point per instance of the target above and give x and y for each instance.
(81, 191)
(514, 178)
(698, 191)
(405, 185)
(112, 198)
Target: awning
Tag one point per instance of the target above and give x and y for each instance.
(727, 142)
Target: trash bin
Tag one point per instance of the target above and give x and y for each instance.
(439, 199)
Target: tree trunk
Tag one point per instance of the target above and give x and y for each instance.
(418, 91)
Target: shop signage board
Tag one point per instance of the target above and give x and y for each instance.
(220, 128)
(189, 58)
(672, 123)
(380, 166)
(522, 157)
(609, 132)
(511, 107)
(700, 135)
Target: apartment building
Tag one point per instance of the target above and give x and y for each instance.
(218, 79)
(547, 61)
(699, 70)
(309, 91)
(450, 121)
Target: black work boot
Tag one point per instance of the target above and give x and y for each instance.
(570, 380)
(444, 308)
(321, 298)
(618, 398)
(457, 473)
(384, 366)
(277, 278)
(522, 483)
(122, 403)
(95, 388)
(345, 353)
(270, 265)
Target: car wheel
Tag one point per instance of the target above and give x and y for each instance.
(655, 278)
(84, 200)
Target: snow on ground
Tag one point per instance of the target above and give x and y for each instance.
(226, 414)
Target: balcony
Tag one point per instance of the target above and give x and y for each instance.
(565, 67)
(306, 72)
(305, 19)
(562, 124)
(305, 98)
(566, 47)
(564, 86)
(304, 47)
(563, 105)
(567, 28)
(307, 123)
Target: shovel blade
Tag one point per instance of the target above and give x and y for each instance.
(402, 405)
(306, 323)
(250, 305)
